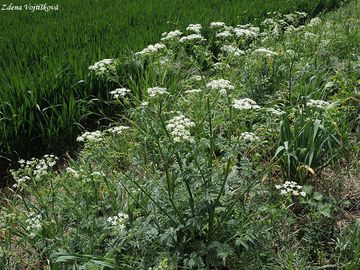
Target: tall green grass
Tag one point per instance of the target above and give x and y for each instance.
(44, 57)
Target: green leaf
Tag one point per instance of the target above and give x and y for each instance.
(325, 210)
(318, 196)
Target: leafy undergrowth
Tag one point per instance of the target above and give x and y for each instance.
(235, 151)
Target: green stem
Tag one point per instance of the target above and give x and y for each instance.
(149, 196)
(216, 202)
(169, 182)
(211, 153)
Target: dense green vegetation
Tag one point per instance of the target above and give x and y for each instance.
(235, 148)
(46, 96)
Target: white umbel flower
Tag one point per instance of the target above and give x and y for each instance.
(232, 50)
(249, 137)
(216, 25)
(314, 22)
(72, 172)
(291, 188)
(178, 127)
(103, 67)
(95, 136)
(246, 33)
(192, 38)
(117, 223)
(33, 225)
(33, 168)
(224, 34)
(151, 49)
(119, 92)
(98, 174)
(155, 91)
(275, 111)
(171, 35)
(192, 91)
(196, 78)
(220, 85)
(245, 104)
(117, 130)
(194, 28)
(266, 52)
(320, 104)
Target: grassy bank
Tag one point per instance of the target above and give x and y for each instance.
(238, 149)
(45, 92)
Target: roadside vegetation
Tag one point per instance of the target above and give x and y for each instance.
(227, 147)
(46, 95)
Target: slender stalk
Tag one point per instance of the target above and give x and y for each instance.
(150, 197)
(170, 183)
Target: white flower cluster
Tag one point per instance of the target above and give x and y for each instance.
(72, 172)
(103, 68)
(42, 165)
(171, 35)
(81, 173)
(179, 128)
(98, 174)
(292, 29)
(320, 104)
(264, 51)
(119, 92)
(192, 38)
(291, 188)
(194, 28)
(195, 78)
(192, 91)
(154, 91)
(117, 130)
(246, 31)
(163, 61)
(249, 137)
(314, 22)
(118, 222)
(33, 168)
(221, 85)
(278, 23)
(240, 31)
(151, 49)
(275, 111)
(225, 34)
(232, 50)
(245, 104)
(215, 25)
(98, 136)
(20, 181)
(221, 66)
(274, 27)
(33, 224)
(95, 136)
